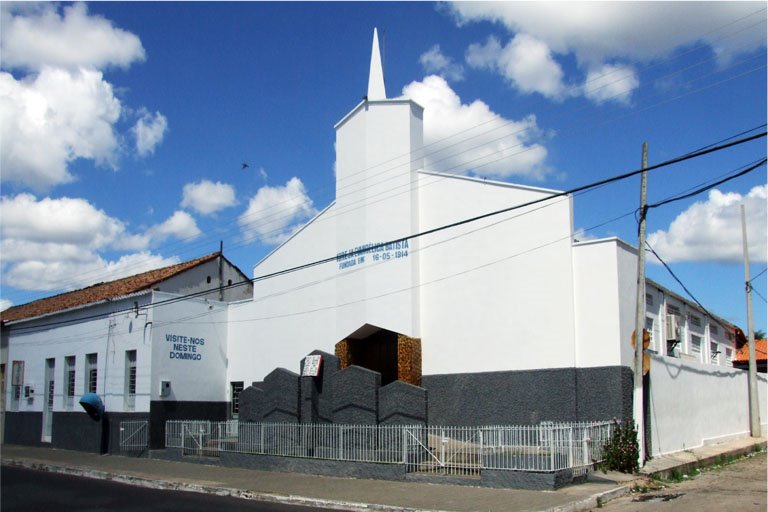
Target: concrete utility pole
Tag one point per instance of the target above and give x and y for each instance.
(754, 410)
(637, 402)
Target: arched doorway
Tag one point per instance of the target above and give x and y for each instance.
(395, 356)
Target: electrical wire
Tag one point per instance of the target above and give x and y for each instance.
(646, 68)
(373, 247)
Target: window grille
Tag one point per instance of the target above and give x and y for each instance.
(237, 387)
(69, 382)
(91, 372)
(130, 379)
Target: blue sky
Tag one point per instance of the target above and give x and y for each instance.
(125, 125)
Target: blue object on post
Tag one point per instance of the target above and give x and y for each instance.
(93, 405)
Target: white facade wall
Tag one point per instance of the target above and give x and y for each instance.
(496, 294)
(694, 404)
(108, 337)
(597, 304)
(206, 277)
(189, 349)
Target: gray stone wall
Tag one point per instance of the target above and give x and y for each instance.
(356, 396)
(316, 392)
(530, 396)
(338, 468)
(281, 397)
(402, 404)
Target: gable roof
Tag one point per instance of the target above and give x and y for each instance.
(100, 292)
(761, 352)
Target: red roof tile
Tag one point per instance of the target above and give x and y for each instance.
(100, 292)
(761, 352)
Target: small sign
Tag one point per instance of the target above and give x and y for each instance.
(17, 373)
(312, 366)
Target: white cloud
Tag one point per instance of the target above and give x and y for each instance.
(435, 62)
(180, 225)
(63, 109)
(525, 62)
(207, 197)
(488, 144)
(54, 244)
(711, 230)
(51, 119)
(149, 131)
(5, 304)
(641, 31)
(67, 275)
(603, 37)
(611, 83)
(38, 36)
(275, 213)
(64, 221)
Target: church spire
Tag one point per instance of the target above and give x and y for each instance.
(376, 89)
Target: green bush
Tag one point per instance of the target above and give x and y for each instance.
(621, 451)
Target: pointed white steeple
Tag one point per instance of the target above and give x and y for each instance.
(376, 89)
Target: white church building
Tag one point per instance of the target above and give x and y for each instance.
(503, 320)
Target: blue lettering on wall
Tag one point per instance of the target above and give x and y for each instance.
(184, 347)
(379, 252)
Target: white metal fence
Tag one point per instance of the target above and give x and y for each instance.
(461, 451)
(134, 435)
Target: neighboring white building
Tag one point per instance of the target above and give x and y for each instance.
(121, 340)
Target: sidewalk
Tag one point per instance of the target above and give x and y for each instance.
(342, 493)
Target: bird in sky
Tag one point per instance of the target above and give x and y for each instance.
(245, 165)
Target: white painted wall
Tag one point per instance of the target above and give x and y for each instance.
(189, 349)
(596, 298)
(693, 404)
(109, 337)
(496, 294)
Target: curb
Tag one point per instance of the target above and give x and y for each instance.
(217, 491)
(687, 467)
(595, 501)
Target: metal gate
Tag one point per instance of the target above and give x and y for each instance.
(453, 451)
(134, 435)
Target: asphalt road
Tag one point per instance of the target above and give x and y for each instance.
(741, 486)
(29, 490)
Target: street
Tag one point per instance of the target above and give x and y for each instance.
(29, 490)
(738, 486)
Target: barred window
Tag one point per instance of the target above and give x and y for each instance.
(130, 379)
(69, 381)
(236, 387)
(91, 372)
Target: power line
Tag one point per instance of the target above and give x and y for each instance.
(374, 247)
(758, 275)
(708, 186)
(645, 68)
(248, 241)
(690, 294)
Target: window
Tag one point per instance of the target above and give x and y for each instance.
(713, 329)
(696, 346)
(673, 310)
(714, 352)
(236, 388)
(695, 321)
(648, 299)
(729, 357)
(130, 380)
(17, 381)
(91, 372)
(649, 327)
(69, 382)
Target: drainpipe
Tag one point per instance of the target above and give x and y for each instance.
(221, 271)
